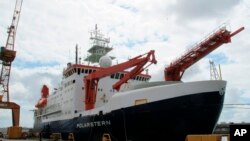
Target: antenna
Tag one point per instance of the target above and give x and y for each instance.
(100, 46)
(80, 60)
(76, 54)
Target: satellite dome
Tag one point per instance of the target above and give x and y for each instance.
(105, 61)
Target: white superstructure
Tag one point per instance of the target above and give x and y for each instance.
(68, 99)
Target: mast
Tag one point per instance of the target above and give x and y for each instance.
(100, 46)
(76, 54)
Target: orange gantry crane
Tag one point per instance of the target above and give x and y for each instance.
(91, 80)
(7, 56)
(176, 69)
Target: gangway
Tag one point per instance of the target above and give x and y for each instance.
(176, 69)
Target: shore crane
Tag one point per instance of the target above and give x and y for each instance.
(176, 69)
(214, 73)
(136, 63)
(7, 56)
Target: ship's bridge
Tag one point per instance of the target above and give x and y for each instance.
(86, 69)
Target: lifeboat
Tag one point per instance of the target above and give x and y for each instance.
(45, 91)
(41, 103)
(43, 100)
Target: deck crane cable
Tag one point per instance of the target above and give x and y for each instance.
(124, 124)
(110, 133)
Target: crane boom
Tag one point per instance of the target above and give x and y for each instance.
(177, 68)
(91, 81)
(7, 53)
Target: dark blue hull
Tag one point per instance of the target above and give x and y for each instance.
(162, 120)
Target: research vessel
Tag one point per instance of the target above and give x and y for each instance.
(99, 100)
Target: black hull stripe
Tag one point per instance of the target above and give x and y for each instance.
(167, 119)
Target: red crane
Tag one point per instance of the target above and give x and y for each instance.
(7, 53)
(7, 56)
(176, 69)
(91, 81)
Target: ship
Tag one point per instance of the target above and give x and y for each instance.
(98, 101)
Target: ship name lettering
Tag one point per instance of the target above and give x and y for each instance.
(103, 122)
(93, 124)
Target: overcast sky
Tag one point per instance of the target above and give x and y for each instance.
(49, 30)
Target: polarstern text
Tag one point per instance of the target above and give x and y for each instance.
(93, 124)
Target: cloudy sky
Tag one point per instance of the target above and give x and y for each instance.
(49, 30)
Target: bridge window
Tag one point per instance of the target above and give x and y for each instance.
(90, 71)
(138, 78)
(122, 75)
(117, 76)
(78, 71)
(86, 71)
(142, 78)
